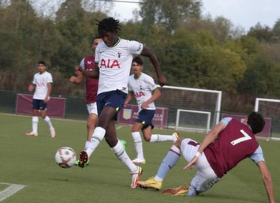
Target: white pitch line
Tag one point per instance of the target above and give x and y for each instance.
(10, 190)
(119, 127)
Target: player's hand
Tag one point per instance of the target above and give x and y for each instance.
(192, 163)
(162, 80)
(73, 79)
(47, 99)
(30, 88)
(79, 70)
(125, 104)
(144, 105)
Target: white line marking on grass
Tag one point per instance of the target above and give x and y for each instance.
(10, 190)
(119, 127)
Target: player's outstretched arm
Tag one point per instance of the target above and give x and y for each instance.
(47, 98)
(266, 177)
(78, 78)
(92, 74)
(155, 96)
(209, 138)
(153, 58)
(128, 98)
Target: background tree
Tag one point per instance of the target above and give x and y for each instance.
(262, 33)
(169, 13)
(193, 50)
(276, 30)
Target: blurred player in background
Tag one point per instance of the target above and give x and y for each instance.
(42, 83)
(88, 64)
(143, 88)
(228, 143)
(113, 57)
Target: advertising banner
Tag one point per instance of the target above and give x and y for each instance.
(128, 115)
(56, 106)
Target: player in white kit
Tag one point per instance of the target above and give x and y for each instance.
(143, 88)
(42, 81)
(113, 57)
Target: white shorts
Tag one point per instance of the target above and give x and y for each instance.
(205, 177)
(92, 108)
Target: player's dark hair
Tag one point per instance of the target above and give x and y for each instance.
(97, 37)
(256, 122)
(108, 25)
(138, 60)
(42, 62)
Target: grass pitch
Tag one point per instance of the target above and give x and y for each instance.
(29, 162)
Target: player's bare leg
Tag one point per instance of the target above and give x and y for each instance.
(91, 123)
(149, 137)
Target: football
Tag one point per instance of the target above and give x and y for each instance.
(65, 157)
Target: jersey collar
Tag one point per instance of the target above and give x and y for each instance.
(119, 39)
(136, 78)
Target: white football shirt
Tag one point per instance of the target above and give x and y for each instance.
(115, 63)
(41, 81)
(142, 88)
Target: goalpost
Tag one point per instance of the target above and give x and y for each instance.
(270, 108)
(191, 108)
(198, 121)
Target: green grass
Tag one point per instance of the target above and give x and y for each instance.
(30, 161)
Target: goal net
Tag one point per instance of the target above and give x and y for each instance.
(190, 120)
(270, 108)
(190, 108)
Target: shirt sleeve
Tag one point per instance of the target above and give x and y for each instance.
(135, 47)
(34, 81)
(257, 156)
(49, 78)
(226, 120)
(151, 83)
(129, 86)
(97, 53)
(82, 63)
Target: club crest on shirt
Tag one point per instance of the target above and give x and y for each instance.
(139, 94)
(119, 55)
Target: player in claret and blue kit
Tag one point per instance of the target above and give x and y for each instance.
(228, 143)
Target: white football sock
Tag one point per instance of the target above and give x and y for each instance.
(35, 121)
(48, 121)
(160, 138)
(122, 155)
(97, 137)
(138, 144)
(87, 144)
